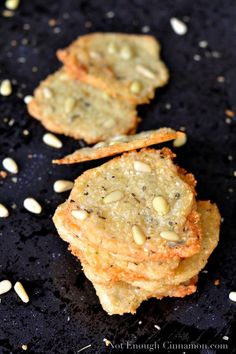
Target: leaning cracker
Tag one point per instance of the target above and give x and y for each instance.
(118, 198)
(70, 107)
(124, 65)
(119, 144)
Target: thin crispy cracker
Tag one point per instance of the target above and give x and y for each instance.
(70, 107)
(119, 144)
(88, 59)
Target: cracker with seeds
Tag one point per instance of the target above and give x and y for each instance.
(118, 144)
(70, 107)
(123, 65)
(137, 205)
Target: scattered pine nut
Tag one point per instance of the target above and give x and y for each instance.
(114, 196)
(61, 186)
(4, 213)
(51, 140)
(232, 296)
(138, 235)
(10, 165)
(135, 87)
(27, 99)
(161, 205)
(6, 88)
(140, 166)
(12, 4)
(20, 290)
(5, 286)
(79, 214)
(179, 27)
(180, 140)
(32, 206)
(169, 235)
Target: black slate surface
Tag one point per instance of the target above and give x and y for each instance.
(64, 314)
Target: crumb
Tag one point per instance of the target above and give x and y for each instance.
(145, 29)
(52, 22)
(229, 113)
(110, 14)
(197, 57)
(217, 282)
(3, 174)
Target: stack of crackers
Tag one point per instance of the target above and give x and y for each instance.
(95, 94)
(133, 222)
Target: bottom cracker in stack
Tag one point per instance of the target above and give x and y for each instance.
(137, 229)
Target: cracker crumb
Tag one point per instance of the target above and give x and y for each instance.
(197, 57)
(24, 346)
(7, 13)
(217, 282)
(52, 22)
(228, 120)
(3, 174)
(203, 44)
(145, 29)
(110, 14)
(229, 113)
(220, 79)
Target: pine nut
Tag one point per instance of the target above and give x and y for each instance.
(4, 213)
(5, 286)
(79, 214)
(178, 26)
(161, 205)
(180, 140)
(52, 140)
(6, 88)
(138, 235)
(27, 99)
(169, 235)
(141, 167)
(232, 296)
(12, 4)
(135, 87)
(32, 206)
(113, 197)
(20, 290)
(69, 104)
(10, 165)
(145, 72)
(126, 53)
(61, 186)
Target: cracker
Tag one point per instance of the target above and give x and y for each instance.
(118, 144)
(110, 225)
(124, 65)
(70, 107)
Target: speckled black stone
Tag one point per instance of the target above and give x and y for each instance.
(64, 313)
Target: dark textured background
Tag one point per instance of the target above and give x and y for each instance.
(64, 314)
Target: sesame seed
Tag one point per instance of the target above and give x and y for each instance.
(62, 185)
(145, 29)
(203, 44)
(197, 57)
(51, 140)
(5, 286)
(20, 290)
(10, 165)
(32, 206)
(6, 88)
(232, 296)
(79, 214)
(138, 235)
(178, 26)
(157, 327)
(225, 338)
(110, 14)
(112, 48)
(4, 213)
(126, 53)
(69, 104)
